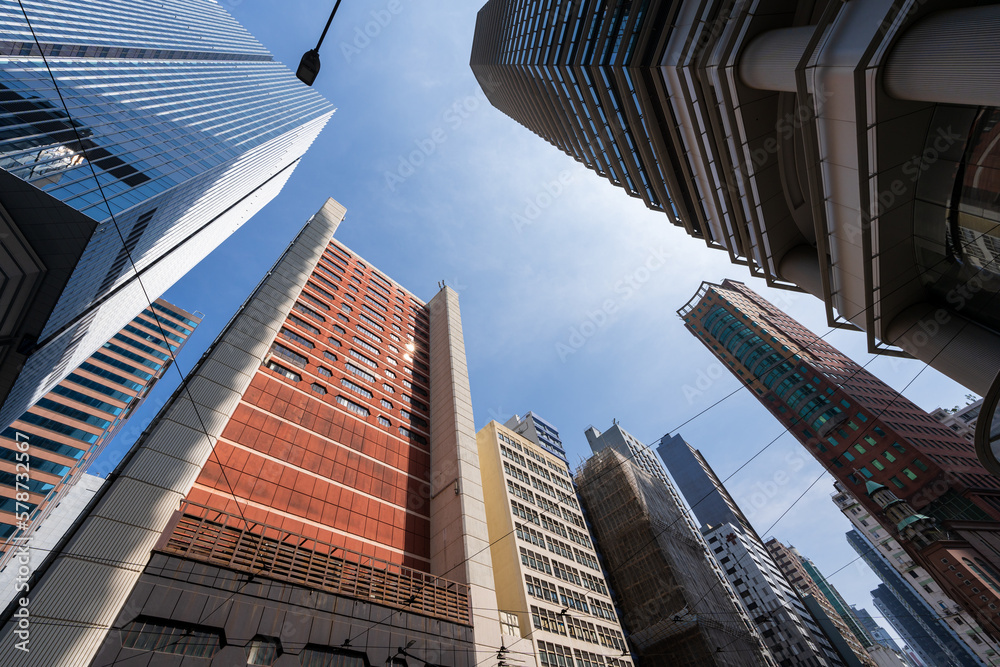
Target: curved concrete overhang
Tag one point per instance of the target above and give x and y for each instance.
(987, 436)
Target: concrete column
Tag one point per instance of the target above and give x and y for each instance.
(952, 57)
(769, 60)
(82, 592)
(460, 539)
(800, 266)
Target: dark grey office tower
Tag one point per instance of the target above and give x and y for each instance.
(710, 501)
(933, 640)
(790, 135)
(907, 625)
(877, 632)
(779, 613)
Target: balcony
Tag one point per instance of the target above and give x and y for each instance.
(211, 536)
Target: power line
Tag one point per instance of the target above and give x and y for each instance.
(186, 388)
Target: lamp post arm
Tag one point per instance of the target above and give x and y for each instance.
(327, 27)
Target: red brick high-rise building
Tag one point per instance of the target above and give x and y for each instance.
(312, 490)
(861, 431)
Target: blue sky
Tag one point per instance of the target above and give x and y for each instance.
(568, 287)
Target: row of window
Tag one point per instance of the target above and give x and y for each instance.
(571, 626)
(557, 472)
(544, 503)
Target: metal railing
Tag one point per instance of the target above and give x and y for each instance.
(201, 533)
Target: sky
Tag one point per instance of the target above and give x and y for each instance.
(568, 287)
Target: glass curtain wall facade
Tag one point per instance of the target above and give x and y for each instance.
(581, 76)
(165, 123)
(949, 649)
(720, 114)
(69, 427)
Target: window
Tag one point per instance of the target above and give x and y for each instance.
(278, 368)
(301, 340)
(909, 473)
(325, 372)
(899, 448)
(370, 322)
(314, 301)
(289, 355)
(362, 358)
(352, 406)
(508, 624)
(383, 421)
(416, 437)
(366, 346)
(314, 656)
(164, 638)
(262, 652)
(390, 374)
(888, 457)
(388, 388)
(894, 480)
(302, 324)
(368, 334)
(318, 388)
(356, 388)
(308, 312)
(386, 404)
(859, 448)
(920, 465)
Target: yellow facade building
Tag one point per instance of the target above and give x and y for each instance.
(554, 603)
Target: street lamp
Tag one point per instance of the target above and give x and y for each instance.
(309, 65)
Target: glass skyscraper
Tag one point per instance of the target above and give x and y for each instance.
(148, 131)
(68, 428)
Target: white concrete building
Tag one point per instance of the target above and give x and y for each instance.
(788, 630)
